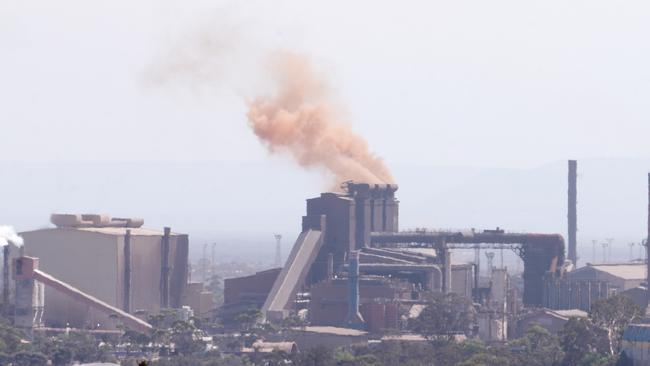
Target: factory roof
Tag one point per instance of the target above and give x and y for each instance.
(332, 330)
(627, 271)
(267, 347)
(407, 337)
(117, 231)
(562, 314)
(571, 313)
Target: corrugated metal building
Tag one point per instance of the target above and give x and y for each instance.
(636, 343)
(582, 287)
(378, 298)
(125, 271)
(552, 320)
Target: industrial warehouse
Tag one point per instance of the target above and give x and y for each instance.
(352, 276)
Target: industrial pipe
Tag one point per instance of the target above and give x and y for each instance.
(354, 320)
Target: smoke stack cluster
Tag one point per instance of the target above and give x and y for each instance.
(301, 119)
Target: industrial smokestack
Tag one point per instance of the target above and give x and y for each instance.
(354, 320)
(8, 236)
(572, 215)
(5, 278)
(647, 251)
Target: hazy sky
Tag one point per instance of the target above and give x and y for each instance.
(484, 83)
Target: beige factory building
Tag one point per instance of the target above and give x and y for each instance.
(114, 260)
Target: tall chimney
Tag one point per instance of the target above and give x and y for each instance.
(647, 251)
(572, 215)
(5, 279)
(355, 320)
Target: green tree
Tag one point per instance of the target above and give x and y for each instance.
(624, 360)
(62, 357)
(84, 347)
(215, 285)
(538, 347)
(613, 314)
(187, 338)
(485, 359)
(29, 359)
(248, 318)
(581, 339)
(443, 317)
(136, 339)
(317, 356)
(9, 338)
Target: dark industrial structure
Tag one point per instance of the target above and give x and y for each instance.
(542, 253)
(357, 231)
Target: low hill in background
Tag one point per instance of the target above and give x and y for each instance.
(240, 205)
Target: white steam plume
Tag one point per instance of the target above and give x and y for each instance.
(9, 235)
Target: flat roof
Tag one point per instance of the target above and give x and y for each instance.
(117, 231)
(627, 271)
(571, 313)
(332, 330)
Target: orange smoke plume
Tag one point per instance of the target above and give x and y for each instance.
(301, 119)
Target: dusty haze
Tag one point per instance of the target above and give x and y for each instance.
(290, 105)
(302, 119)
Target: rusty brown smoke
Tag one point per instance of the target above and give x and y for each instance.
(302, 119)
